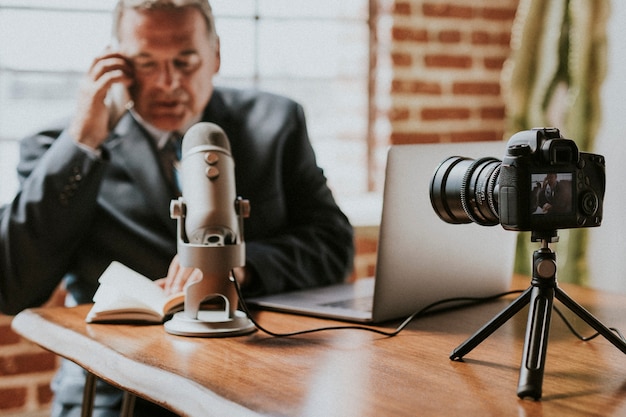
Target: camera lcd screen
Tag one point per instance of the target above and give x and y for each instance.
(551, 193)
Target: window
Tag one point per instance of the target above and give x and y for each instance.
(314, 52)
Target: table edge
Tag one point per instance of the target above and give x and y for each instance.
(113, 367)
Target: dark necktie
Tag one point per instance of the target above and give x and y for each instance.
(170, 156)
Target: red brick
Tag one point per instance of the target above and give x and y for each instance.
(27, 363)
(490, 38)
(445, 113)
(409, 34)
(492, 113)
(401, 59)
(44, 394)
(494, 63)
(415, 87)
(448, 61)
(447, 10)
(8, 336)
(474, 136)
(12, 398)
(449, 36)
(476, 88)
(499, 13)
(366, 245)
(397, 114)
(401, 8)
(399, 138)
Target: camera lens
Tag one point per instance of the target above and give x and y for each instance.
(465, 190)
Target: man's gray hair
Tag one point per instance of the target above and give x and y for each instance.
(202, 5)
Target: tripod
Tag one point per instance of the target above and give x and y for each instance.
(539, 296)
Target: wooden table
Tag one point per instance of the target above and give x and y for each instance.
(348, 372)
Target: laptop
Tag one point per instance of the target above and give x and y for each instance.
(420, 259)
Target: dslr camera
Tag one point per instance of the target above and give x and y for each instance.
(542, 184)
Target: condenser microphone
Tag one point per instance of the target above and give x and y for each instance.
(207, 173)
(209, 235)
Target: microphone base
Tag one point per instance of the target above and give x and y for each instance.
(210, 324)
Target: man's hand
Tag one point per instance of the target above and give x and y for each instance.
(90, 125)
(179, 276)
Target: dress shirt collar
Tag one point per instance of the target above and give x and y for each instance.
(159, 136)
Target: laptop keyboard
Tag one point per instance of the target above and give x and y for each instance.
(359, 304)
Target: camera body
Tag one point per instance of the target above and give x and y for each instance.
(542, 184)
(545, 183)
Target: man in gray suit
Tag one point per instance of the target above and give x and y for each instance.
(94, 190)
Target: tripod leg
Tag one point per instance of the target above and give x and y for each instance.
(590, 320)
(491, 326)
(535, 343)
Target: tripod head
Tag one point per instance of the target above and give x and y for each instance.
(544, 259)
(548, 236)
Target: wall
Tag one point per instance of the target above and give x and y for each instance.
(607, 243)
(447, 57)
(444, 86)
(25, 373)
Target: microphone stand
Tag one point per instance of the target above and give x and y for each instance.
(216, 263)
(539, 296)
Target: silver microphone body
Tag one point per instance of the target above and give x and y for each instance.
(209, 233)
(207, 174)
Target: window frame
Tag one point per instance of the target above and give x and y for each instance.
(371, 141)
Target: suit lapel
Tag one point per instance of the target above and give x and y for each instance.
(133, 151)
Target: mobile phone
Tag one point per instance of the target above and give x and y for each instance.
(118, 99)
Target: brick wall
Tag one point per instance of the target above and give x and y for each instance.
(25, 372)
(446, 57)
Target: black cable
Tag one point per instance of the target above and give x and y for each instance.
(467, 300)
(580, 336)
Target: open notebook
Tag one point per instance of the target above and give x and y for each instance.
(421, 259)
